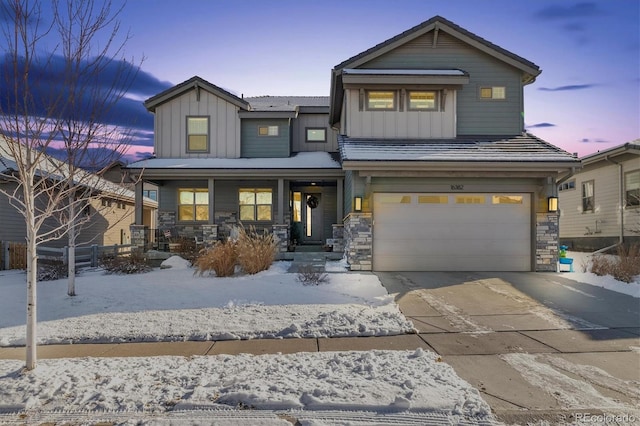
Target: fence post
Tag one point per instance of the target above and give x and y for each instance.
(94, 255)
(5, 254)
(65, 255)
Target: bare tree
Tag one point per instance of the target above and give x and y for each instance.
(52, 100)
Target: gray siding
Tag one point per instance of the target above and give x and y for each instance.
(313, 120)
(348, 193)
(474, 116)
(254, 146)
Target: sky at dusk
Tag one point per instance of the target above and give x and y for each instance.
(586, 99)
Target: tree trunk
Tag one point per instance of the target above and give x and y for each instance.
(71, 255)
(32, 281)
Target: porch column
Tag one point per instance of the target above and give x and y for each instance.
(212, 202)
(280, 217)
(139, 205)
(340, 200)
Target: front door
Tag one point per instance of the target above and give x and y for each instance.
(312, 232)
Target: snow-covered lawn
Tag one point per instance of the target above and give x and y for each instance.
(581, 264)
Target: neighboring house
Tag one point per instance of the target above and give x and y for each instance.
(600, 204)
(419, 153)
(111, 209)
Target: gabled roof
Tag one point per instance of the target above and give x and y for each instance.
(285, 106)
(529, 69)
(460, 153)
(194, 83)
(627, 148)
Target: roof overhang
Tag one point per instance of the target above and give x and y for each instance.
(191, 174)
(362, 77)
(630, 148)
(268, 114)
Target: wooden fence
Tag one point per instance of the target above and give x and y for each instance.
(15, 254)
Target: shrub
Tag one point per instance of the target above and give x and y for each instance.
(310, 275)
(625, 268)
(53, 270)
(221, 259)
(256, 252)
(187, 248)
(135, 263)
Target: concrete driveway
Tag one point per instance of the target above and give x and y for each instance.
(539, 347)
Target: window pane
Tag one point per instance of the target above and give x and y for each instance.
(202, 197)
(202, 213)
(263, 196)
(395, 199)
(485, 92)
(197, 143)
(498, 92)
(247, 213)
(185, 196)
(297, 204)
(268, 130)
(381, 100)
(632, 180)
(422, 100)
(247, 197)
(587, 189)
(470, 199)
(198, 125)
(316, 135)
(185, 213)
(264, 212)
(506, 199)
(433, 199)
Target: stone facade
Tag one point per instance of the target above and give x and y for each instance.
(547, 234)
(358, 238)
(139, 236)
(209, 234)
(166, 219)
(281, 234)
(226, 221)
(337, 240)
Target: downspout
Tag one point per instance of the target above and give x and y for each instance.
(621, 194)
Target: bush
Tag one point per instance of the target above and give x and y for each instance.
(187, 248)
(135, 263)
(256, 252)
(625, 268)
(310, 275)
(51, 271)
(221, 259)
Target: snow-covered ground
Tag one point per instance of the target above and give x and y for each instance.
(174, 304)
(581, 266)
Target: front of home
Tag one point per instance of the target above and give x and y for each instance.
(416, 161)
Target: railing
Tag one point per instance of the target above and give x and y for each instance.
(14, 254)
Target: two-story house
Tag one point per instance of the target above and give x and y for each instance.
(435, 171)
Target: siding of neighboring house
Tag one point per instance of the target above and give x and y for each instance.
(579, 229)
(256, 146)
(302, 122)
(171, 133)
(400, 124)
(474, 116)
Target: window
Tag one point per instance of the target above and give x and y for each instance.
(255, 204)
(433, 199)
(495, 92)
(506, 199)
(297, 206)
(150, 193)
(193, 204)
(268, 131)
(567, 186)
(316, 134)
(394, 199)
(106, 202)
(470, 199)
(423, 101)
(587, 196)
(632, 189)
(381, 100)
(197, 134)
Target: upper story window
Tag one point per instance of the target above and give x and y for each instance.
(256, 204)
(423, 101)
(632, 189)
(193, 204)
(587, 196)
(494, 92)
(150, 193)
(316, 134)
(379, 100)
(197, 134)
(268, 131)
(567, 186)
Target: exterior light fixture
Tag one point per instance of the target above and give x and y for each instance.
(553, 204)
(357, 204)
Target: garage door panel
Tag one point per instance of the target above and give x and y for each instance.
(452, 237)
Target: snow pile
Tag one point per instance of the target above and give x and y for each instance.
(176, 262)
(376, 380)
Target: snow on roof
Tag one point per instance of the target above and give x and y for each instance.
(302, 160)
(522, 148)
(370, 71)
(286, 103)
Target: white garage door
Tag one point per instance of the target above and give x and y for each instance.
(451, 232)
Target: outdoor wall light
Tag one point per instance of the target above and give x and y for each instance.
(357, 204)
(553, 204)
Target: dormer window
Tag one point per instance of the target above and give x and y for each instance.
(423, 101)
(378, 100)
(268, 131)
(197, 134)
(494, 92)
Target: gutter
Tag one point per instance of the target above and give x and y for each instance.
(621, 212)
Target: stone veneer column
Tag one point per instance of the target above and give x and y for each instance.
(358, 237)
(547, 235)
(209, 234)
(166, 219)
(281, 233)
(337, 240)
(139, 234)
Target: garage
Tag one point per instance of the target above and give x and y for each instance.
(452, 232)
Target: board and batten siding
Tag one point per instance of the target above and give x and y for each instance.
(256, 146)
(171, 126)
(299, 133)
(400, 124)
(574, 222)
(474, 116)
